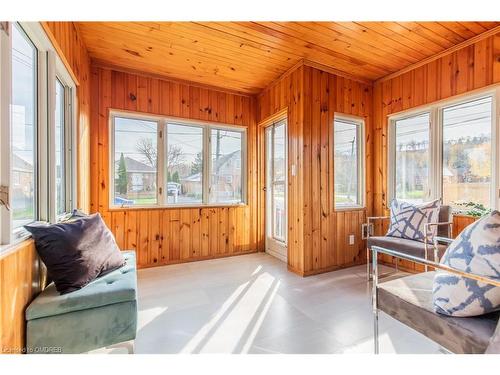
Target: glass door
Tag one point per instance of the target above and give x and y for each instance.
(276, 190)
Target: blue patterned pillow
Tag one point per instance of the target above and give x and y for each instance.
(475, 250)
(408, 220)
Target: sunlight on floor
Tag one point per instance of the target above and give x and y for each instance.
(235, 325)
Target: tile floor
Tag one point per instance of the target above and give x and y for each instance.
(252, 304)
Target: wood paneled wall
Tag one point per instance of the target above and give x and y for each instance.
(318, 234)
(19, 283)
(19, 269)
(473, 67)
(172, 235)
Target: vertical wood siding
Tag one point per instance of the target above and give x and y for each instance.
(172, 235)
(472, 67)
(317, 234)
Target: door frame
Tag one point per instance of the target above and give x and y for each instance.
(273, 246)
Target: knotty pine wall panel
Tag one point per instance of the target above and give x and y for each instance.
(172, 235)
(470, 68)
(19, 283)
(317, 233)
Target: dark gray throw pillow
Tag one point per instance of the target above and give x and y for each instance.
(77, 251)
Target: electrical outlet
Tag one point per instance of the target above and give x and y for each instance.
(351, 239)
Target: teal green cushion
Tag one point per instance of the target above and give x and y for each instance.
(115, 287)
(84, 330)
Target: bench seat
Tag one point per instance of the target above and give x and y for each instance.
(102, 313)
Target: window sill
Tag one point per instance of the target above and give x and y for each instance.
(176, 207)
(349, 208)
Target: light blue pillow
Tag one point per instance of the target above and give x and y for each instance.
(408, 220)
(475, 250)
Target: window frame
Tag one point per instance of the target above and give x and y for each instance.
(361, 149)
(436, 146)
(162, 144)
(48, 64)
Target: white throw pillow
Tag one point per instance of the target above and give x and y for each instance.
(475, 250)
(408, 220)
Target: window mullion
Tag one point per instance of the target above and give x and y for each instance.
(161, 163)
(437, 157)
(207, 164)
(47, 152)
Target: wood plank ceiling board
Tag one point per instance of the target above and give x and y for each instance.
(248, 56)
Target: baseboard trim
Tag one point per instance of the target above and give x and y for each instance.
(198, 259)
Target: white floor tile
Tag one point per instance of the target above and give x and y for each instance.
(252, 304)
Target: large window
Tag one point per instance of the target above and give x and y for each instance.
(36, 174)
(412, 136)
(348, 162)
(467, 152)
(135, 161)
(23, 128)
(446, 151)
(160, 161)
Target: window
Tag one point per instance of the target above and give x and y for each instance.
(226, 178)
(184, 164)
(467, 152)
(135, 161)
(23, 128)
(194, 164)
(446, 151)
(412, 158)
(59, 148)
(348, 162)
(36, 131)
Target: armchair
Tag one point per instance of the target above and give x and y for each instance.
(409, 300)
(406, 246)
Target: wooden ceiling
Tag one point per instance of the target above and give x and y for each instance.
(248, 56)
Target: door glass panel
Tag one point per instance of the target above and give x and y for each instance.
(23, 127)
(412, 158)
(279, 153)
(467, 153)
(279, 211)
(276, 166)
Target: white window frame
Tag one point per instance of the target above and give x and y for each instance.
(436, 142)
(360, 148)
(162, 144)
(49, 64)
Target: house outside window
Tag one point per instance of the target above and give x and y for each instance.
(172, 162)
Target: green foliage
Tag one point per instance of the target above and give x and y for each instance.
(470, 208)
(175, 177)
(121, 183)
(197, 164)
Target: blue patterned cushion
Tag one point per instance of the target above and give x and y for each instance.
(408, 220)
(475, 250)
